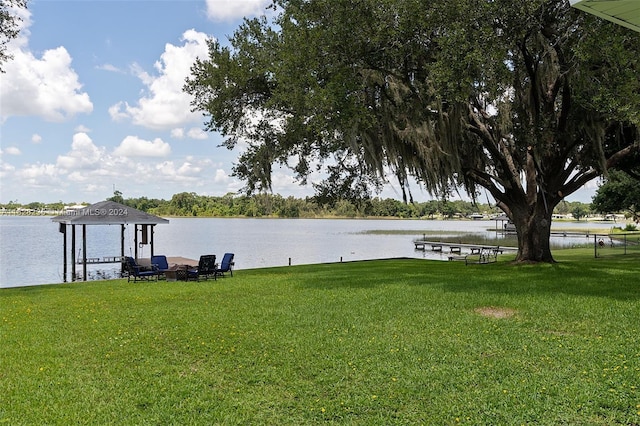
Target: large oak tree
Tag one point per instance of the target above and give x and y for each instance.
(523, 99)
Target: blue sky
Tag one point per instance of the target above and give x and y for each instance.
(92, 101)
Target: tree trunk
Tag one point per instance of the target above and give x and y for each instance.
(534, 231)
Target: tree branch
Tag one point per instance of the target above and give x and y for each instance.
(616, 158)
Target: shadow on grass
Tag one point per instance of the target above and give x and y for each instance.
(617, 278)
(362, 274)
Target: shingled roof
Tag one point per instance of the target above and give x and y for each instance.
(108, 213)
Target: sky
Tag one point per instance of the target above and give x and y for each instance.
(92, 102)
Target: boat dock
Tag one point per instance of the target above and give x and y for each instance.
(100, 260)
(457, 248)
(586, 233)
(145, 262)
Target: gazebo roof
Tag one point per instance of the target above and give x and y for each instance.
(622, 12)
(108, 213)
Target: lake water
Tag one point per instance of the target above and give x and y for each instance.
(31, 246)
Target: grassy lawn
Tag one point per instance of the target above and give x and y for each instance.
(371, 343)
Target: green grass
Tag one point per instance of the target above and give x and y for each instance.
(366, 343)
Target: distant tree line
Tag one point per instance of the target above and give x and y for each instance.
(190, 204)
(274, 205)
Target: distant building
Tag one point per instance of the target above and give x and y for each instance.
(562, 216)
(75, 207)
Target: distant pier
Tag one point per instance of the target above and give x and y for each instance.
(30, 212)
(100, 260)
(438, 246)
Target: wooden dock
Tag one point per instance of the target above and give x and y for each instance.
(144, 262)
(472, 254)
(439, 246)
(100, 260)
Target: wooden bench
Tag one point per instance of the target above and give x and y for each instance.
(478, 250)
(462, 258)
(483, 256)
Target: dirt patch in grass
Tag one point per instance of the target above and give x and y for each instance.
(494, 312)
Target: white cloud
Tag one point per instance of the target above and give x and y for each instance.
(197, 133)
(177, 133)
(592, 184)
(283, 182)
(116, 113)
(6, 169)
(166, 106)
(175, 173)
(39, 175)
(11, 150)
(192, 133)
(132, 146)
(47, 87)
(110, 68)
(221, 176)
(89, 171)
(226, 10)
(94, 189)
(36, 138)
(84, 155)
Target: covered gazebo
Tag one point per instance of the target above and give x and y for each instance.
(105, 213)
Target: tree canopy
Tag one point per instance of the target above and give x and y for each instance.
(8, 25)
(620, 192)
(524, 99)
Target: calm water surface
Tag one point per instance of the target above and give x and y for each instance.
(31, 247)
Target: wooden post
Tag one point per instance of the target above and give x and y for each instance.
(135, 241)
(63, 229)
(73, 253)
(152, 229)
(84, 252)
(121, 248)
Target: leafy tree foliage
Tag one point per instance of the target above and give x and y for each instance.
(567, 207)
(579, 212)
(117, 197)
(269, 205)
(524, 98)
(620, 192)
(8, 25)
(344, 183)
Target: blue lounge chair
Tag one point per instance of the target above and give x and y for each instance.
(226, 265)
(134, 270)
(160, 263)
(206, 268)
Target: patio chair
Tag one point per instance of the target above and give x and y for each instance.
(160, 263)
(206, 268)
(134, 270)
(226, 265)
